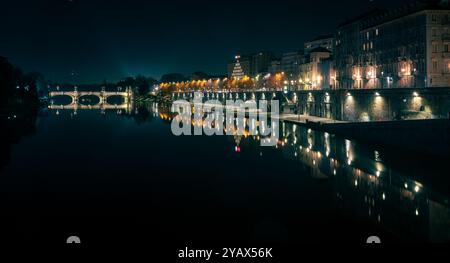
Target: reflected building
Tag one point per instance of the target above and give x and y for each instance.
(367, 188)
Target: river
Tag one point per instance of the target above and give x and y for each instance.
(124, 177)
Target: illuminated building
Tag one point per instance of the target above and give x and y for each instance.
(239, 67)
(325, 41)
(314, 72)
(406, 47)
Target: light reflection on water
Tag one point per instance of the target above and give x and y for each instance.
(364, 184)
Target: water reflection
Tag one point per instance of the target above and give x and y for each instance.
(16, 125)
(367, 184)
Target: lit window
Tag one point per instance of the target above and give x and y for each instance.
(435, 47)
(376, 32)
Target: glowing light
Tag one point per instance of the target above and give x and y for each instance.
(384, 196)
(417, 212)
(356, 183)
(334, 171)
(378, 173)
(377, 94)
(415, 94)
(406, 186)
(237, 149)
(416, 188)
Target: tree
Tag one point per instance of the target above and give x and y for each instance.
(199, 75)
(173, 77)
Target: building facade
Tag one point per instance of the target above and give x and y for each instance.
(250, 64)
(325, 41)
(261, 62)
(275, 66)
(290, 63)
(315, 70)
(402, 48)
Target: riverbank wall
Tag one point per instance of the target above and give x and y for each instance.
(363, 105)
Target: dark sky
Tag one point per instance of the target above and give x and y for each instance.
(112, 39)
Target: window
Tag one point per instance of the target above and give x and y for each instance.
(435, 47)
(376, 32)
(433, 18)
(435, 65)
(367, 35)
(371, 45)
(446, 47)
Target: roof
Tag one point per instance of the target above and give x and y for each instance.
(378, 16)
(321, 37)
(320, 49)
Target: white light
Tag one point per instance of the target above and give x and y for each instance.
(378, 173)
(377, 94)
(334, 171)
(417, 212)
(356, 183)
(384, 196)
(416, 188)
(406, 186)
(415, 94)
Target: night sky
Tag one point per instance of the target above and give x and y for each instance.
(111, 39)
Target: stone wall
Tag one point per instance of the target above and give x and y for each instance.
(352, 105)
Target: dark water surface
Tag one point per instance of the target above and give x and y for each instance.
(125, 178)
